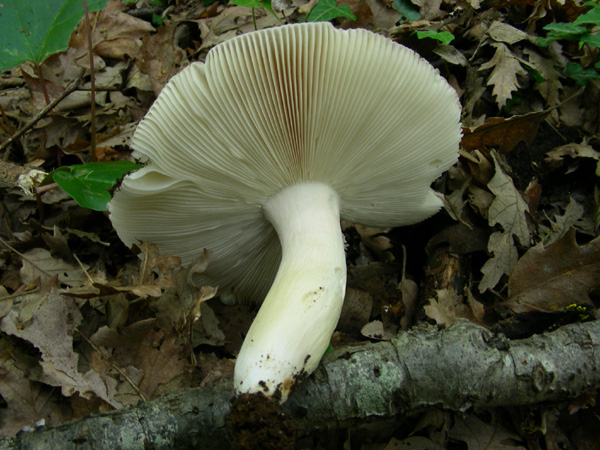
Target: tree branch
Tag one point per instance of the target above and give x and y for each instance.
(462, 367)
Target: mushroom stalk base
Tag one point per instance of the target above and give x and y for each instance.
(296, 320)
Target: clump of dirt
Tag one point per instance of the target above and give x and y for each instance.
(260, 424)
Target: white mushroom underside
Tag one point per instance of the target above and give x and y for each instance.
(267, 110)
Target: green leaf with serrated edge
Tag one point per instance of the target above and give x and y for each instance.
(592, 16)
(581, 75)
(445, 37)
(255, 4)
(407, 9)
(89, 183)
(326, 10)
(32, 30)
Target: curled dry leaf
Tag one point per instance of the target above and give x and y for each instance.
(550, 279)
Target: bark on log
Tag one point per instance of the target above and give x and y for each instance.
(462, 367)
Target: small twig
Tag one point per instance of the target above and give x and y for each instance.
(70, 88)
(83, 268)
(18, 294)
(11, 248)
(92, 84)
(114, 366)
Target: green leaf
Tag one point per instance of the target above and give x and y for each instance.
(592, 16)
(593, 40)
(32, 30)
(326, 10)
(445, 37)
(581, 75)
(407, 9)
(89, 183)
(255, 4)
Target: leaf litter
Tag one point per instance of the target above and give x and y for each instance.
(88, 325)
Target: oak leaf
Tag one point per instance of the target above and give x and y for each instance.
(550, 279)
(503, 78)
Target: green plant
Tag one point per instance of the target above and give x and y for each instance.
(89, 184)
(407, 9)
(577, 32)
(445, 37)
(256, 4)
(32, 30)
(326, 10)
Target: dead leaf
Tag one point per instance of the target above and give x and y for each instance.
(505, 68)
(550, 279)
(556, 157)
(503, 32)
(503, 134)
(508, 209)
(562, 224)
(27, 402)
(479, 435)
(50, 329)
(159, 57)
(375, 330)
(39, 263)
(502, 246)
(448, 306)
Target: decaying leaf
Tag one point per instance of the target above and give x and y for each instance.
(508, 209)
(556, 157)
(479, 435)
(550, 279)
(503, 78)
(448, 306)
(503, 32)
(39, 263)
(504, 134)
(50, 328)
(562, 224)
(502, 246)
(28, 403)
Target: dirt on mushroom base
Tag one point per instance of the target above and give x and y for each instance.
(261, 424)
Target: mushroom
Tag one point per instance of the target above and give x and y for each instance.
(257, 153)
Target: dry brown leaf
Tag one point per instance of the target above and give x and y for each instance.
(27, 402)
(159, 57)
(479, 435)
(448, 306)
(562, 224)
(505, 68)
(556, 157)
(509, 209)
(162, 358)
(550, 279)
(50, 328)
(39, 263)
(502, 133)
(502, 246)
(503, 32)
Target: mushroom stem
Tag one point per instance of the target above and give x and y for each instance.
(296, 320)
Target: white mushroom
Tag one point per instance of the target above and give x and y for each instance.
(256, 154)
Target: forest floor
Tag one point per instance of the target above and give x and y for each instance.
(88, 325)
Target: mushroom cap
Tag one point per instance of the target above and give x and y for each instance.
(272, 108)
